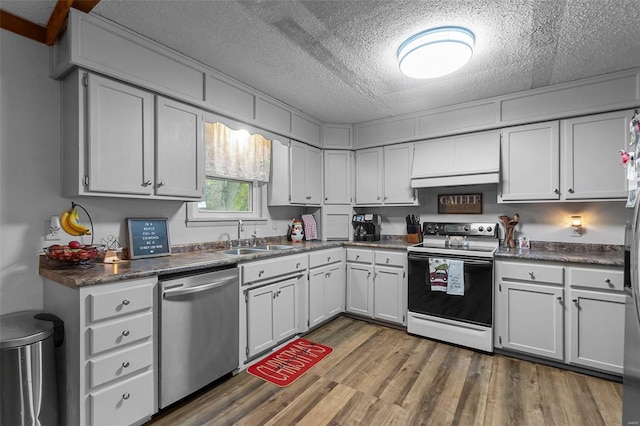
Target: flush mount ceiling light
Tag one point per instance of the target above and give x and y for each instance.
(436, 52)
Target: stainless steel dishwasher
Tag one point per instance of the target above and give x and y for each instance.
(199, 331)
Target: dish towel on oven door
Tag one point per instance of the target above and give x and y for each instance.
(446, 275)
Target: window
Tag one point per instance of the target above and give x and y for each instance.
(237, 165)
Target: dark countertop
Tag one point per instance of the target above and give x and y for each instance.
(590, 254)
(184, 261)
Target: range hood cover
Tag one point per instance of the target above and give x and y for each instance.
(460, 180)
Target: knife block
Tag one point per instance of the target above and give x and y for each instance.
(414, 238)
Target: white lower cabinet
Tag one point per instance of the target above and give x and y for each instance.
(275, 302)
(569, 313)
(271, 315)
(111, 351)
(377, 284)
(534, 315)
(326, 285)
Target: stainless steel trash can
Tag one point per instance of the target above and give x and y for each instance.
(28, 388)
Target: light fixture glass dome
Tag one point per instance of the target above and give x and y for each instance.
(436, 52)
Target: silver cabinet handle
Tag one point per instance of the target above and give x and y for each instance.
(388, 260)
(126, 396)
(181, 291)
(260, 272)
(126, 333)
(556, 191)
(575, 301)
(559, 298)
(297, 265)
(328, 258)
(571, 190)
(161, 184)
(531, 274)
(125, 364)
(125, 302)
(357, 256)
(608, 281)
(147, 183)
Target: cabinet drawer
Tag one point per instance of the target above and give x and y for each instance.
(601, 278)
(272, 268)
(120, 302)
(125, 403)
(532, 272)
(325, 257)
(118, 365)
(359, 255)
(390, 258)
(119, 333)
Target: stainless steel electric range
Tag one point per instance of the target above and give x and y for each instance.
(451, 284)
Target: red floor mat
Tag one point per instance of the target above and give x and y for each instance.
(285, 365)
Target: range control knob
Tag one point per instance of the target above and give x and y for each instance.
(480, 228)
(489, 229)
(467, 228)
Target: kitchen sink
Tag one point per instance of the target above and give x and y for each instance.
(243, 250)
(272, 247)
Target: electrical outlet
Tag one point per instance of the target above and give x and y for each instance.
(51, 233)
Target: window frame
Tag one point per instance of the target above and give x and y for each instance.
(197, 217)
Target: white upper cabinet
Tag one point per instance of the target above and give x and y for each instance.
(296, 174)
(383, 176)
(573, 159)
(179, 149)
(591, 158)
(337, 177)
(116, 145)
(397, 171)
(530, 162)
(369, 176)
(120, 124)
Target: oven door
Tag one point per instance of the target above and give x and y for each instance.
(475, 306)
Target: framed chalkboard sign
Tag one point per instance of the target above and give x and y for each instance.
(148, 237)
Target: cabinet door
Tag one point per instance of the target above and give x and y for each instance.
(317, 296)
(533, 319)
(397, 174)
(359, 289)
(179, 150)
(120, 138)
(596, 330)
(260, 335)
(337, 177)
(297, 173)
(369, 176)
(334, 290)
(591, 155)
(388, 294)
(285, 311)
(313, 175)
(530, 162)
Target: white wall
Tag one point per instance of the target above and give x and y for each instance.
(603, 221)
(30, 137)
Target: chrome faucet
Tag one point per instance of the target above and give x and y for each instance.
(239, 230)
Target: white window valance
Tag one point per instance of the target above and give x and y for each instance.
(236, 154)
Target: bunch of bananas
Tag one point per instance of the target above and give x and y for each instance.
(70, 223)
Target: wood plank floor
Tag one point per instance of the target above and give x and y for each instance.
(379, 376)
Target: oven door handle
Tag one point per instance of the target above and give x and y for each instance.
(474, 262)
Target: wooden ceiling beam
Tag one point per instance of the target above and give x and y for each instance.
(85, 5)
(20, 26)
(49, 34)
(57, 20)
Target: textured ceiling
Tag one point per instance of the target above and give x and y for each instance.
(336, 60)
